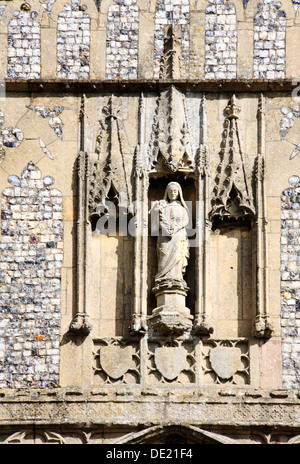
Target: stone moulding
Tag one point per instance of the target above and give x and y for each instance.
(174, 359)
(138, 85)
(263, 327)
(97, 185)
(158, 434)
(171, 320)
(232, 407)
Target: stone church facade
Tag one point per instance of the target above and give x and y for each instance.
(150, 212)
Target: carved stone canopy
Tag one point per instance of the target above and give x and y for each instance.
(107, 176)
(231, 195)
(170, 147)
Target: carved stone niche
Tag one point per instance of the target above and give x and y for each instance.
(238, 224)
(172, 301)
(170, 258)
(104, 246)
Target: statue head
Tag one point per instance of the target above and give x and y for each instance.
(173, 192)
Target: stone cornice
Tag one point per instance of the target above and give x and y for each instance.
(110, 405)
(191, 85)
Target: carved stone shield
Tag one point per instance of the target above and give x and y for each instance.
(225, 361)
(170, 361)
(115, 360)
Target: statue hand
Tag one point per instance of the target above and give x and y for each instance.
(167, 230)
(171, 231)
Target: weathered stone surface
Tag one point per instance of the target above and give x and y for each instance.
(106, 104)
(225, 361)
(115, 361)
(170, 361)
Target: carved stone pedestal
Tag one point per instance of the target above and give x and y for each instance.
(171, 315)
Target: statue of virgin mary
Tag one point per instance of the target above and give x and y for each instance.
(171, 220)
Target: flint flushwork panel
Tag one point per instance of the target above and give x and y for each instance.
(220, 40)
(125, 54)
(73, 43)
(290, 290)
(23, 46)
(2, 8)
(122, 41)
(30, 281)
(269, 41)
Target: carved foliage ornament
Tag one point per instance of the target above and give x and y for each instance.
(172, 63)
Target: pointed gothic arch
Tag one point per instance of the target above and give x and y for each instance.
(175, 434)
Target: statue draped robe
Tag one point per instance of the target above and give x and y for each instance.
(172, 242)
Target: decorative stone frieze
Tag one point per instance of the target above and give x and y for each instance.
(216, 416)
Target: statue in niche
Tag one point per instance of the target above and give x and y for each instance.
(172, 243)
(170, 218)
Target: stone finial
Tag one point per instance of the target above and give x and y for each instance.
(232, 109)
(171, 67)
